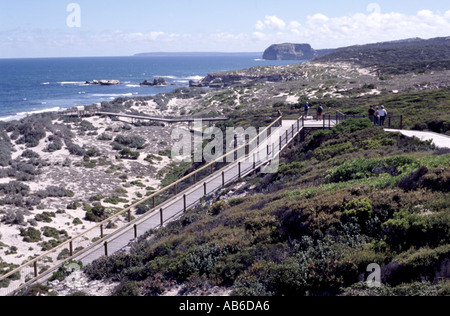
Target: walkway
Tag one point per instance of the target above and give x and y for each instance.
(162, 119)
(81, 113)
(267, 152)
(440, 140)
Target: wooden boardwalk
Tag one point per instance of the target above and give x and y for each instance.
(162, 119)
(266, 153)
(136, 117)
(260, 153)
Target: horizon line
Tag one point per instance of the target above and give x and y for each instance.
(198, 53)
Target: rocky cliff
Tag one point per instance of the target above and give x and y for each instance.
(289, 51)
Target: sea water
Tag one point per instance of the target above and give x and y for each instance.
(30, 86)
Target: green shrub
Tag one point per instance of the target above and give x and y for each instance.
(328, 152)
(130, 288)
(65, 270)
(405, 229)
(30, 235)
(75, 149)
(361, 209)
(30, 154)
(55, 144)
(127, 153)
(291, 170)
(365, 168)
(217, 208)
(115, 200)
(131, 141)
(15, 187)
(96, 214)
(352, 125)
(45, 217)
(54, 233)
(416, 265)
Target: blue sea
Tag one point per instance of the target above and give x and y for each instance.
(30, 86)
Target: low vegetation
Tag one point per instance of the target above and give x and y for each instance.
(397, 57)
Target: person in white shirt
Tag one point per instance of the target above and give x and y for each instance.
(382, 114)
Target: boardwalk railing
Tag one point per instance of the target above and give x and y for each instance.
(392, 121)
(81, 113)
(84, 244)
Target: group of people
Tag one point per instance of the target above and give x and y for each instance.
(378, 115)
(319, 111)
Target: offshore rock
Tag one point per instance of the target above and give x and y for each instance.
(156, 82)
(109, 82)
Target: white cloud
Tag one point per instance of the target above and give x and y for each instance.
(260, 25)
(360, 28)
(259, 35)
(271, 22)
(294, 25)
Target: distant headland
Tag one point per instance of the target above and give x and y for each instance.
(187, 54)
(290, 51)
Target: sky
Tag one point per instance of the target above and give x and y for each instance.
(76, 28)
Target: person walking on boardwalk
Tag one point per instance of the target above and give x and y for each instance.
(377, 116)
(382, 114)
(306, 110)
(319, 112)
(372, 115)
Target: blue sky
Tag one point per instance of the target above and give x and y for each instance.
(30, 28)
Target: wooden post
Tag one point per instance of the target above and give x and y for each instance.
(135, 231)
(105, 245)
(176, 188)
(161, 216)
(280, 143)
(35, 269)
(71, 248)
(239, 169)
(235, 155)
(223, 178)
(129, 216)
(195, 178)
(101, 231)
(204, 188)
(184, 202)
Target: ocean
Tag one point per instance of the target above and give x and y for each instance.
(30, 86)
